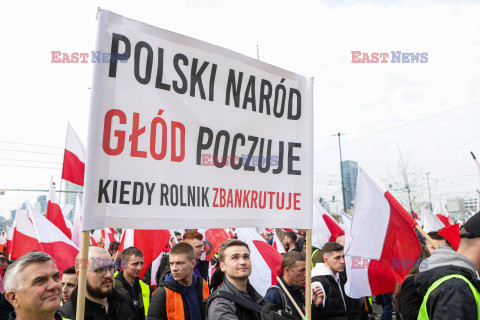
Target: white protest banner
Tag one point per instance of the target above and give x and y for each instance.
(185, 134)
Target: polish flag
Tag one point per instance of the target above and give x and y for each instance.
(54, 213)
(24, 238)
(150, 242)
(365, 277)
(266, 261)
(442, 214)
(108, 235)
(52, 240)
(382, 229)
(74, 158)
(155, 266)
(325, 228)
(277, 244)
(77, 221)
(97, 236)
(451, 234)
(431, 221)
(230, 232)
(9, 238)
(93, 242)
(66, 210)
(213, 240)
(157, 260)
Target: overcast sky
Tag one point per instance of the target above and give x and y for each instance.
(429, 112)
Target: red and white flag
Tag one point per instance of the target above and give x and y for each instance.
(24, 238)
(266, 261)
(430, 221)
(150, 242)
(277, 244)
(213, 240)
(74, 158)
(366, 277)
(77, 221)
(382, 229)
(9, 239)
(109, 235)
(54, 213)
(442, 214)
(325, 228)
(52, 240)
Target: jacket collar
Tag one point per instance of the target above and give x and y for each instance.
(12, 316)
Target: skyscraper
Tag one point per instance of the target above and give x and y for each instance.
(350, 172)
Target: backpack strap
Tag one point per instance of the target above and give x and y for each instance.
(285, 306)
(247, 304)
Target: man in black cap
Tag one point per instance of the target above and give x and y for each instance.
(449, 284)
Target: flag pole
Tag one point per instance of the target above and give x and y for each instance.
(82, 276)
(308, 276)
(426, 236)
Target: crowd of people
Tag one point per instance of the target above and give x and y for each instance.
(445, 286)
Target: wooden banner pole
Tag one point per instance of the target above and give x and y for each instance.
(280, 283)
(308, 276)
(82, 276)
(426, 236)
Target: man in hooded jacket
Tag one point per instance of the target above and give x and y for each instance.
(180, 292)
(449, 284)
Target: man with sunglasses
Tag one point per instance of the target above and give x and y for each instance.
(102, 300)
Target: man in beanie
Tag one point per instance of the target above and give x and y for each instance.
(449, 284)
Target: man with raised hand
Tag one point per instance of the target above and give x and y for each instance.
(127, 281)
(180, 293)
(102, 301)
(33, 287)
(326, 277)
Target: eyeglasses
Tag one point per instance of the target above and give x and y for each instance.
(102, 271)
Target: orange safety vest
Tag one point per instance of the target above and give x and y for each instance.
(174, 302)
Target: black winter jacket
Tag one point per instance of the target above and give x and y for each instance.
(338, 306)
(409, 299)
(218, 307)
(453, 299)
(120, 307)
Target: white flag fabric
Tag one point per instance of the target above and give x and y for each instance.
(77, 221)
(266, 260)
(357, 285)
(431, 221)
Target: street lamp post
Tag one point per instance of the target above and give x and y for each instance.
(341, 168)
(429, 192)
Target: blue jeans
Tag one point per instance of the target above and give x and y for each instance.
(387, 305)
